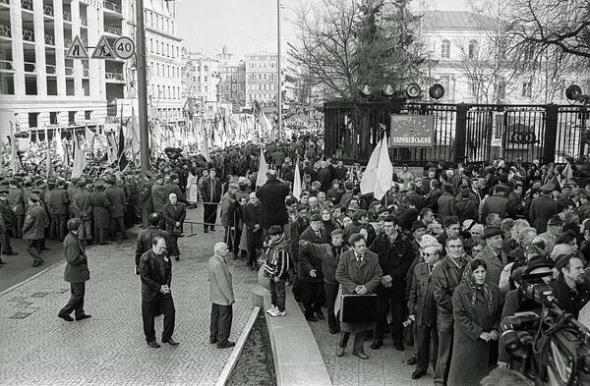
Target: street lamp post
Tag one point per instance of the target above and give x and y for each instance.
(279, 82)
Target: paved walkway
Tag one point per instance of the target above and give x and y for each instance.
(109, 349)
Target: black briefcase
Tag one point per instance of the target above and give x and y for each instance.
(359, 308)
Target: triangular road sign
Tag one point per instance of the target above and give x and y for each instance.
(77, 50)
(103, 50)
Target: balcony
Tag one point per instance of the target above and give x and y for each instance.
(5, 2)
(113, 30)
(6, 65)
(49, 40)
(67, 16)
(47, 10)
(114, 77)
(30, 67)
(27, 4)
(28, 36)
(112, 7)
(69, 71)
(5, 31)
(50, 69)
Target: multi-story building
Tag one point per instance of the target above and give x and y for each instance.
(200, 81)
(232, 85)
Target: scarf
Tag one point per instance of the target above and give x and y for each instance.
(469, 280)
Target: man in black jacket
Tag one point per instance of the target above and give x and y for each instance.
(146, 236)
(570, 290)
(254, 231)
(155, 269)
(272, 200)
(395, 256)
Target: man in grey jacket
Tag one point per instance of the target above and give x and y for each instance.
(221, 293)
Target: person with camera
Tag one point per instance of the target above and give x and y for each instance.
(570, 290)
(359, 273)
(155, 269)
(477, 306)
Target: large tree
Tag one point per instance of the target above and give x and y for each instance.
(348, 43)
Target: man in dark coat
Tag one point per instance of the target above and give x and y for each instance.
(146, 236)
(211, 194)
(155, 269)
(543, 208)
(34, 230)
(57, 204)
(498, 203)
(172, 187)
(76, 272)
(147, 205)
(395, 256)
(272, 200)
(16, 199)
(9, 220)
(570, 290)
(174, 213)
(118, 201)
(324, 176)
(254, 230)
(82, 206)
(159, 197)
(100, 212)
(310, 270)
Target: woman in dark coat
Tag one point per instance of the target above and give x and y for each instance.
(477, 308)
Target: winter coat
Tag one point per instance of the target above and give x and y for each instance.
(446, 206)
(494, 204)
(495, 264)
(173, 214)
(394, 259)
(277, 260)
(58, 202)
(7, 213)
(421, 298)
(101, 209)
(82, 204)
(16, 199)
(155, 271)
(159, 197)
(145, 238)
(542, 209)
(76, 270)
(330, 256)
(307, 261)
(465, 207)
(117, 200)
(471, 355)
(272, 199)
(208, 196)
(35, 222)
(445, 278)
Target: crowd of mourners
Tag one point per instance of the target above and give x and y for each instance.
(442, 250)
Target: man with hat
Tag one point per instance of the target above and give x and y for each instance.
(554, 230)
(100, 212)
(543, 208)
(9, 220)
(16, 199)
(211, 194)
(118, 201)
(76, 272)
(493, 254)
(57, 204)
(34, 229)
(83, 210)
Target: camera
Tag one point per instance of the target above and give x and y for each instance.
(546, 345)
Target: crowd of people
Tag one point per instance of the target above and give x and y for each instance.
(442, 250)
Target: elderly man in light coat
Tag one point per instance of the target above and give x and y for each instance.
(221, 294)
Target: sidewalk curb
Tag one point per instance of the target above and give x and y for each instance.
(233, 358)
(31, 278)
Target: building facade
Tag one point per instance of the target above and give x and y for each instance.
(200, 82)
(232, 85)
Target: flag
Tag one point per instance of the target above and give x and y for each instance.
(205, 143)
(122, 159)
(377, 178)
(262, 169)
(79, 159)
(59, 146)
(49, 171)
(14, 160)
(134, 130)
(297, 187)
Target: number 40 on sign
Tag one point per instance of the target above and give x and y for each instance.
(124, 47)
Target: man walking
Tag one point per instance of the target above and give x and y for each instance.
(34, 229)
(155, 269)
(221, 293)
(76, 272)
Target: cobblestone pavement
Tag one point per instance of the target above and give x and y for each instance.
(38, 348)
(385, 366)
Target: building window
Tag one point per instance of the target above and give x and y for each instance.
(72, 117)
(53, 117)
(472, 49)
(33, 120)
(88, 115)
(527, 90)
(445, 49)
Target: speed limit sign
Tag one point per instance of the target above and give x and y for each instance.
(124, 47)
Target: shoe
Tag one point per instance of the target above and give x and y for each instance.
(279, 313)
(153, 344)
(12, 253)
(226, 344)
(177, 258)
(83, 316)
(212, 229)
(361, 355)
(37, 263)
(271, 310)
(205, 230)
(377, 343)
(212, 340)
(412, 361)
(418, 374)
(311, 318)
(340, 352)
(334, 330)
(170, 341)
(399, 346)
(320, 315)
(67, 318)
(2, 262)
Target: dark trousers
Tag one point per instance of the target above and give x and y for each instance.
(427, 346)
(313, 296)
(210, 215)
(5, 241)
(277, 294)
(254, 243)
(221, 319)
(174, 251)
(57, 228)
(359, 340)
(443, 359)
(86, 230)
(18, 228)
(100, 235)
(76, 302)
(151, 308)
(118, 225)
(34, 249)
(331, 291)
(397, 301)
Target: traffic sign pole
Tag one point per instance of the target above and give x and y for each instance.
(142, 90)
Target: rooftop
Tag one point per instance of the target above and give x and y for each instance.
(458, 21)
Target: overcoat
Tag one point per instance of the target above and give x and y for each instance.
(542, 209)
(272, 198)
(35, 221)
(220, 284)
(101, 209)
(173, 215)
(117, 199)
(76, 270)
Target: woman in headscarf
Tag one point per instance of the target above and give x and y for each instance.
(477, 308)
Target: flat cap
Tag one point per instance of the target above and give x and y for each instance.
(491, 232)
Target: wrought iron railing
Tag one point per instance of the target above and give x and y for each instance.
(6, 65)
(5, 31)
(30, 67)
(112, 6)
(49, 39)
(47, 10)
(112, 29)
(114, 76)
(27, 4)
(28, 35)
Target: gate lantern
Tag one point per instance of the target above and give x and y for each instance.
(413, 90)
(436, 91)
(387, 90)
(573, 92)
(365, 90)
